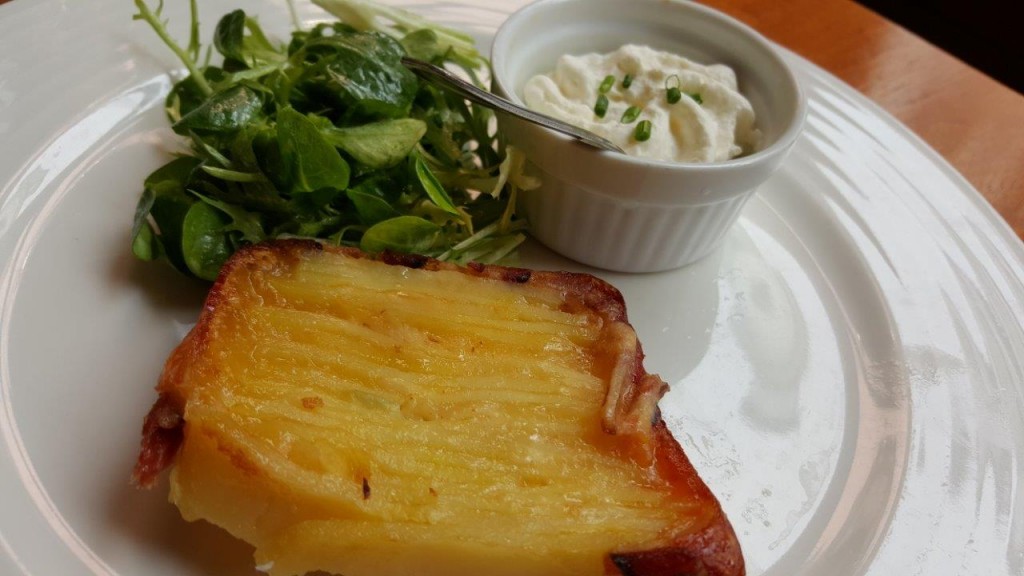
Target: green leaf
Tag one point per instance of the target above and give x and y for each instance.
(423, 45)
(320, 227)
(208, 152)
(258, 46)
(379, 144)
(254, 74)
(371, 208)
(433, 188)
(228, 36)
(232, 175)
(172, 177)
(322, 196)
(362, 72)
(313, 163)
(204, 242)
(408, 234)
(142, 208)
(143, 240)
(265, 150)
(241, 220)
(251, 49)
(366, 15)
(169, 214)
(165, 199)
(187, 94)
(224, 112)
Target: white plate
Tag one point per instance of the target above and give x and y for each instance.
(848, 371)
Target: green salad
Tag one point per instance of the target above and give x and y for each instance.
(327, 137)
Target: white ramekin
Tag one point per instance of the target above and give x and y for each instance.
(625, 213)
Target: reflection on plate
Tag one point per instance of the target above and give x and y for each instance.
(847, 371)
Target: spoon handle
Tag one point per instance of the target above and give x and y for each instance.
(470, 92)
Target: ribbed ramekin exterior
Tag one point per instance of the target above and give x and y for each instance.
(627, 237)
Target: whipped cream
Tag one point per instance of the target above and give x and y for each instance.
(711, 122)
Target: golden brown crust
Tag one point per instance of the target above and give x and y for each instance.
(161, 438)
(630, 410)
(711, 551)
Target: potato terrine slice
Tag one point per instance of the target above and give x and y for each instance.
(402, 416)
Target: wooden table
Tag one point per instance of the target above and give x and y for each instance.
(976, 123)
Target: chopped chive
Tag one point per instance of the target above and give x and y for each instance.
(601, 107)
(607, 84)
(643, 131)
(672, 93)
(696, 98)
(627, 81)
(630, 115)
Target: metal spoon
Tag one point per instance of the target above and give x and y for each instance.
(470, 92)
